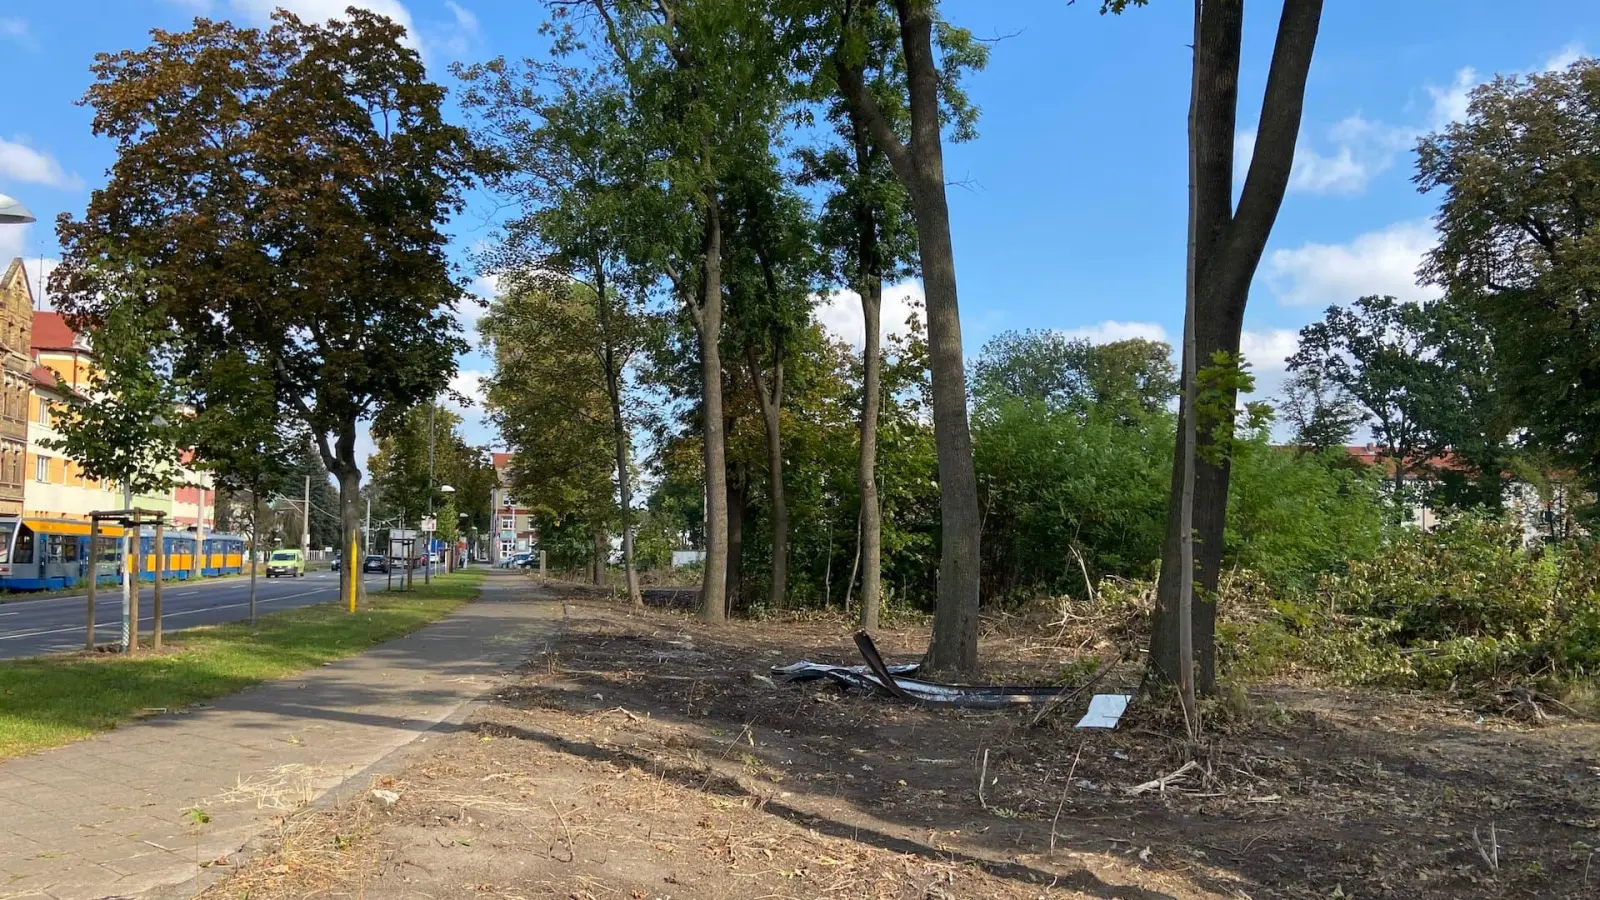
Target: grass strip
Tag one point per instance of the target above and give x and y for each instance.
(52, 700)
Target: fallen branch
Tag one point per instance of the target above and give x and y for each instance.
(1490, 854)
(1064, 698)
(1161, 784)
(1064, 791)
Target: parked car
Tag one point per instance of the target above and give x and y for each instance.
(337, 558)
(286, 562)
(375, 562)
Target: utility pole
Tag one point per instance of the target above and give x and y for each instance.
(305, 523)
(427, 566)
(200, 533)
(130, 615)
(367, 543)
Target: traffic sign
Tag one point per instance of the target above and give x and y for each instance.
(430, 523)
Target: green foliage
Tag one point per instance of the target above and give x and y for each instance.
(1293, 516)
(1124, 378)
(1518, 243)
(1216, 387)
(1053, 481)
(126, 427)
(1467, 604)
(285, 189)
(417, 453)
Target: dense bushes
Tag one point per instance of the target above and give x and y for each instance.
(1469, 602)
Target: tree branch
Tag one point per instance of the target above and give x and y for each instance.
(853, 88)
(1282, 105)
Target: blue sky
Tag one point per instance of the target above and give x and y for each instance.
(1069, 208)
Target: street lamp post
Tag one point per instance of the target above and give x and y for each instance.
(427, 567)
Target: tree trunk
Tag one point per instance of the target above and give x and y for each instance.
(619, 429)
(602, 549)
(341, 463)
(735, 574)
(771, 402)
(870, 538)
(708, 325)
(1228, 248)
(954, 648)
(255, 547)
(351, 588)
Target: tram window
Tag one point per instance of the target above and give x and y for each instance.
(24, 550)
(69, 549)
(6, 530)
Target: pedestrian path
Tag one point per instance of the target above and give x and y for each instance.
(112, 816)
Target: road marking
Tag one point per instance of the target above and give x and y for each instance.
(117, 623)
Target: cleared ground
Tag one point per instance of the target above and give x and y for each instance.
(650, 757)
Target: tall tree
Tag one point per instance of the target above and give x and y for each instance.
(1321, 412)
(932, 56)
(1378, 353)
(1517, 243)
(548, 399)
(865, 227)
(238, 436)
(773, 277)
(706, 80)
(1226, 245)
(287, 187)
(575, 171)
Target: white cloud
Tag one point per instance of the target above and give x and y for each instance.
(469, 384)
(1111, 330)
(466, 22)
(1563, 58)
(38, 270)
(1360, 150)
(1450, 103)
(14, 244)
(1378, 262)
(1268, 354)
(15, 29)
(317, 11)
(12, 239)
(20, 162)
(840, 312)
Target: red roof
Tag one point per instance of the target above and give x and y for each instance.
(46, 378)
(501, 460)
(1373, 455)
(51, 332)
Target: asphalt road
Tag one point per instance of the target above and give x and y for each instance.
(35, 627)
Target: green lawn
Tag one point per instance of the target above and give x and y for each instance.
(48, 701)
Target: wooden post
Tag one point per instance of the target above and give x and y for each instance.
(135, 562)
(94, 581)
(160, 549)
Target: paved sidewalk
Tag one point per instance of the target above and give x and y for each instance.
(108, 817)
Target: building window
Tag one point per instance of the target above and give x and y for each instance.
(508, 523)
(41, 469)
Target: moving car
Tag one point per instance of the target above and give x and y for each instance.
(286, 562)
(375, 562)
(337, 558)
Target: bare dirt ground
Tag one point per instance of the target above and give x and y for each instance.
(650, 756)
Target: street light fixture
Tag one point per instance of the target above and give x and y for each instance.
(12, 212)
